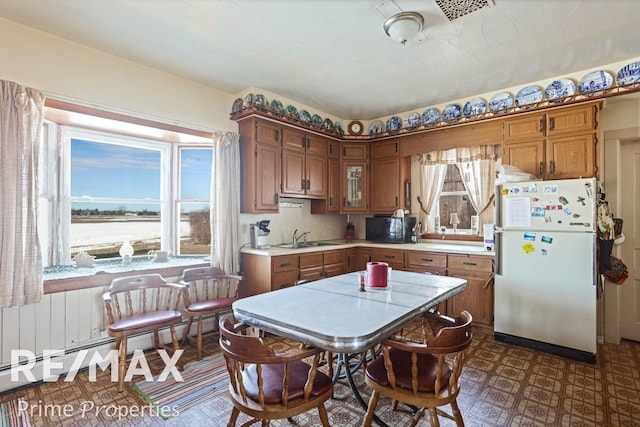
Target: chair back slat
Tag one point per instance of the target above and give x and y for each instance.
(210, 283)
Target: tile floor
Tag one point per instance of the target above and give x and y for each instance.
(502, 385)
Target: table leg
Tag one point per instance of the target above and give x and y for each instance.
(344, 361)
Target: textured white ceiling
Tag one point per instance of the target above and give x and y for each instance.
(333, 55)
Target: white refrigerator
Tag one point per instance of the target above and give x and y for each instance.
(545, 283)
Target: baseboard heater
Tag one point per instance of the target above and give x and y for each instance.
(558, 350)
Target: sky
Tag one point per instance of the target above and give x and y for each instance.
(100, 170)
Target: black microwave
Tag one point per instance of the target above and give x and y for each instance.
(387, 229)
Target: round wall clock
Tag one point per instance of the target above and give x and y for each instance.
(355, 127)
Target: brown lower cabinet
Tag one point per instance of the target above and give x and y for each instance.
(477, 298)
(264, 273)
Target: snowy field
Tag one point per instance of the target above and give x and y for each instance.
(87, 236)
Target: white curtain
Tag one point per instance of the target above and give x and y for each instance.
(225, 202)
(432, 175)
(478, 170)
(21, 116)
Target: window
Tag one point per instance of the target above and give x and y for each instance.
(109, 187)
(454, 198)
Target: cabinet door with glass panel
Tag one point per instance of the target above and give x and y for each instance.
(354, 187)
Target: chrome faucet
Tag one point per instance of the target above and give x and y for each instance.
(295, 238)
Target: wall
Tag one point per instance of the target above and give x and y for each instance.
(620, 123)
(72, 72)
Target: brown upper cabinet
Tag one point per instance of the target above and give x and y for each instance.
(260, 157)
(304, 164)
(389, 174)
(555, 144)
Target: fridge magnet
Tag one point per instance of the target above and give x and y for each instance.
(567, 211)
(528, 235)
(576, 215)
(550, 189)
(543, 252)
(547, 219)
(546, 239)
(538, 211)
(563, 200)
(588, 189)
(533, 188)
(504, 191)
(581, 200)
(528, 248)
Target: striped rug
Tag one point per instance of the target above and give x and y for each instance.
(203, 380)
(11, 416)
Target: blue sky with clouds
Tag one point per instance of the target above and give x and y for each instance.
(101, 170)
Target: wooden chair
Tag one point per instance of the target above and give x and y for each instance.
(143, 303)
(266, 384)
(210, 292)
(423, 374)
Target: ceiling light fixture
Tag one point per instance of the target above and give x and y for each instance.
(403, 26)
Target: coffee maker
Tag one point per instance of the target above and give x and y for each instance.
(259, 233)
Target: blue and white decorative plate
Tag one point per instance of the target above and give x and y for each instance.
(394, 123)
(413, 120)
(277, 107)
(628, 74)
(451, 112)
(528, 97)
(376, 127)
(559, 90)
(474, 107)
(328, 125)
(260, 101)
(431, 116)
(305, 117)
(247, 102)
(595, 82)
(237, 105)
(339, 128)
(317, 120)
(500, 102)
(292, 112)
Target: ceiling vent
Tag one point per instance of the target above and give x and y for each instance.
(454, 9)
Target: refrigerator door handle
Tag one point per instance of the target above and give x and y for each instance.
(498, 251)
(498, 205)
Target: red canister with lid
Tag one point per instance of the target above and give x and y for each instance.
(377, 274)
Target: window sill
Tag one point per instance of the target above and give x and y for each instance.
(453, 236)
(62, 278)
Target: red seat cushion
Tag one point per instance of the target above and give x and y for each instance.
(401, 360)
(272, 376)
(145, 320)
(210, 305)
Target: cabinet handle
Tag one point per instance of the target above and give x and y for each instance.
(541, 126)
(541, 168)
(552, 123)
(468, 263)
(344, 202)
(277, 135)
(426, 259)
(396, 201)
(308, 184)
(285, 264)
(330, 200)
(390, 256)
(396, 147)
(303, 185)
(275, 198)
(552, 167)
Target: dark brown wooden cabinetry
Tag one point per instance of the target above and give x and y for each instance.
(477, 298)
(304, 164)
(388, 173)
(331, 204)
(429, 262)
(318, 265)
(556, 144)
(393, 257)
(260, 157)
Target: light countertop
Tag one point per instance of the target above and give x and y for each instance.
(327, 245)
